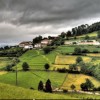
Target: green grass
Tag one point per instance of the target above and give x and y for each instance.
(37, 59)
(13, 92)
(31, 79)
(93, 34)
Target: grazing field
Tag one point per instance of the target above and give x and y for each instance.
(62, 60)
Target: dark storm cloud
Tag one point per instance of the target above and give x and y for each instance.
(44, 16)
(48, 11)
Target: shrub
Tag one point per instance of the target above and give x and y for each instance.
(62, 70)
(46, 50)
(72, 86)
(65, 91)
(79, 59)
(85, 51)
(9, 67)
(77, 50)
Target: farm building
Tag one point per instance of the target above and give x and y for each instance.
(37, 45)
(26, 45)
(45, 42)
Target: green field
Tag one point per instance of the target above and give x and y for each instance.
(33, 78)
(93, 34)
(13, 92)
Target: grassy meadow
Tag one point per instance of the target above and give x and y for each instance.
(13, 92)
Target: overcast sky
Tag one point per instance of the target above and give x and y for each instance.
(24, 19)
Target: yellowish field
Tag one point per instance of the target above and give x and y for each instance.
(62, 60)
(94, 54)
(77, 79)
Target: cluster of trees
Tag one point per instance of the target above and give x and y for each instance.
(88, 85)
(90, 69)
(46, 88)
(37, 39)
(9, 67)
(79, 51)
(82, 29)
(58, 41)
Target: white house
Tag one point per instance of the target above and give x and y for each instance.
(37, 45)
(28, 47)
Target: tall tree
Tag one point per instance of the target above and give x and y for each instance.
(48, 86)
(40, 86)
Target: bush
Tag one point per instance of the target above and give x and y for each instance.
(8, 68)
(79, 59)
(85, 51)
(77, 50)
(62, 70)
(46, 50)
(25, 66)
(95, 52)
(65, 91)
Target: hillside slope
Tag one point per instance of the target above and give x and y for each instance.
(13, 92)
